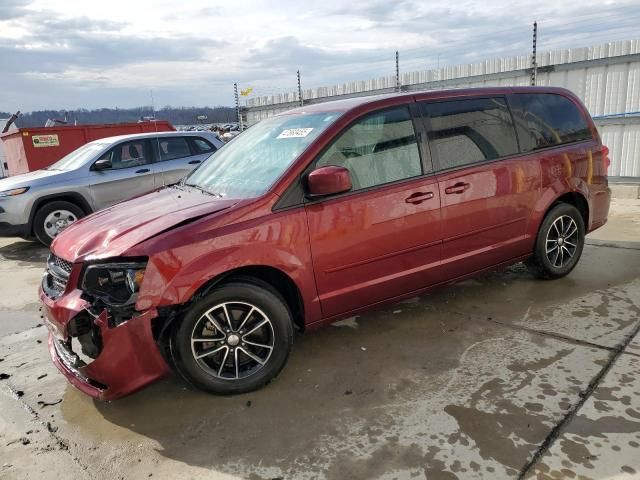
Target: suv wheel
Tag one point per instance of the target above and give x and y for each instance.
(234, 340)
(559, 244)
(52, 218)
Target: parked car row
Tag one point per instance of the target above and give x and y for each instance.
(101, 173)
(310, 216)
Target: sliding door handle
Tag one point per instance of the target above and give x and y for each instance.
(418, 197)
(459, 187)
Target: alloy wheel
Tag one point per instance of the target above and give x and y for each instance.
(232, 340)
(562, 241)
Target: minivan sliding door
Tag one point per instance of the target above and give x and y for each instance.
(487, 190)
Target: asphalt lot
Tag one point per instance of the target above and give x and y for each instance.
(502, 376)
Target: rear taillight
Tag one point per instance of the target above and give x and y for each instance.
(606, 161)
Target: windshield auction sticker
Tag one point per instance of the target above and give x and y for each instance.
(295, 133)
(45, 140)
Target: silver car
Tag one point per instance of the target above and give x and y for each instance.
(41, 204)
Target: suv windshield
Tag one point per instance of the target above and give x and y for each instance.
(251, 163)
(78, 157)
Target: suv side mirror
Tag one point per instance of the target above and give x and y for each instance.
(328, 181)
(102, 164)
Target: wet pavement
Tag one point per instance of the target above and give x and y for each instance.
(502, 376)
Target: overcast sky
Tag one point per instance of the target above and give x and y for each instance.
(70, 54)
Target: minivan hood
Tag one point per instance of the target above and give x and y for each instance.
(38, 177)
(111, 232)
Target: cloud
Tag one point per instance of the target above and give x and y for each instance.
(73, 53)
(12, 9)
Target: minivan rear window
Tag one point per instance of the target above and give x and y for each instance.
(463, 132)
(547, 119)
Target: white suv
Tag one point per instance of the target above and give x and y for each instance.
(101, 173)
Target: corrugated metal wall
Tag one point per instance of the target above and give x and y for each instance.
(606, 77)
(623, 140)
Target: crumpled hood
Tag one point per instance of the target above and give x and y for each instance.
(111, 232)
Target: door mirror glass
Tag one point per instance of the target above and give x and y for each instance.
(102, 164)
(328, 180)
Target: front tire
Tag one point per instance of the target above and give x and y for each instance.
(52, 218)
(559, 243)
(234, 340)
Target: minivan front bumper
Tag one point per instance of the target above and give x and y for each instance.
(129, 358)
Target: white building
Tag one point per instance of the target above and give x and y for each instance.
(606, 77)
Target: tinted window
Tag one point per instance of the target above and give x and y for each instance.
(379, 149)
(173, 147)
(129, 154)
(202, 146)
(468, 131)
(546, 119)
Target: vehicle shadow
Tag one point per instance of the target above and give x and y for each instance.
(24, 251)
(353, 393)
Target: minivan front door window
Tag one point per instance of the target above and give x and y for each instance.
(379, 149)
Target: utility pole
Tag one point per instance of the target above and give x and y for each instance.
(397, 71)
(300, 91)
(238, 117)
(534, 58)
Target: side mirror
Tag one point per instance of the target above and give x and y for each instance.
(328, 181)
(102, 164)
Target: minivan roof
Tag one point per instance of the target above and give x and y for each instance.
(347, 104)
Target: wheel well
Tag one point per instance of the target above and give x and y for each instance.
(280, 281)
(74, 198)
(578, 201)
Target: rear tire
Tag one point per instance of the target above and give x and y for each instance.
(559, 243)
(53, 217)
(234, 340)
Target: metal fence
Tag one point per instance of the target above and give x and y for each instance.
(606, 77)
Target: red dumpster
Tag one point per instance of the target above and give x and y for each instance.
(29, 149)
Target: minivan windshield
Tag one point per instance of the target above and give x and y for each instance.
(248, 165)
(78, 157)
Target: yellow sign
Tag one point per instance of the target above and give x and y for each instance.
(246, 92)
(45, 141)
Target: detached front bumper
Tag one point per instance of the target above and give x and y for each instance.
(129, 357)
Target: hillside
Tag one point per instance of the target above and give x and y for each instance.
(176, 115)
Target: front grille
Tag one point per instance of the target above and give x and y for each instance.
(59, 262)
(56, 277)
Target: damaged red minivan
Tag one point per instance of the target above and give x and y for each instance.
(313, 215)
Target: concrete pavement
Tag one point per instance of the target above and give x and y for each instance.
(502, 376)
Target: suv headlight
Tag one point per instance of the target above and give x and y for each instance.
(14, 192)
(114, 283)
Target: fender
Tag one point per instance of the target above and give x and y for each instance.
(178, 274)
(550, 194)
(74, 197)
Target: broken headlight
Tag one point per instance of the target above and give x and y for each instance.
(114, 283)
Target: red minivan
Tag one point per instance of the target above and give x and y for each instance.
(316, 214)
